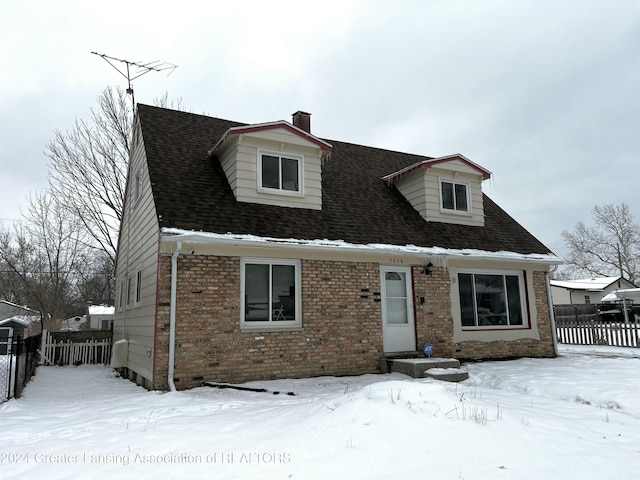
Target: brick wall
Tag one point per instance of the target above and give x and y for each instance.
(433, 317)
(342, 332)
(342, 325)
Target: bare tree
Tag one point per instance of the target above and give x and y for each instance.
(41, 256)
(89, 168)
(611, 247)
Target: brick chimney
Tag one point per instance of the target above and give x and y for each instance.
(302, 120)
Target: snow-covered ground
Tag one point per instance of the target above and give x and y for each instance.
(573, 417)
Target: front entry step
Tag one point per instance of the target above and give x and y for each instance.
(446, 369)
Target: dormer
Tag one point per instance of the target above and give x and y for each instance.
(446, 189)
(277, 163)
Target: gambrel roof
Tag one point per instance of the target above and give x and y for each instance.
(191, 192)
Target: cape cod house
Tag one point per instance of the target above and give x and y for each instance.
(263, 251)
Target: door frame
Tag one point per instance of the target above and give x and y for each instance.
(408, 336)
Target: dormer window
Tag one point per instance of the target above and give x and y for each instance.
(280, 173)
(454, 196)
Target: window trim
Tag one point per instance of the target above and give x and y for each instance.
(137, 297)
(524, 299)
(271, 324)
(280, 155)
(454, 211)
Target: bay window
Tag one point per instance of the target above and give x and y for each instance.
(492, 299)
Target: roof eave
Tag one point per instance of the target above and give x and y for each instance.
(243, 129)
(428, 163)
(170, 235)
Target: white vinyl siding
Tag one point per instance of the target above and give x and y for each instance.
(422, 189)
(239, 159)
(138, 258)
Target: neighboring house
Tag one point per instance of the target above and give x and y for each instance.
(586, 290)
(73, 324)
(24, 325)
(8, 309)
(24, 320)
(262, 251)
(100, 318)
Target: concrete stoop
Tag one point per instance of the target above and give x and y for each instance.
(445, 369)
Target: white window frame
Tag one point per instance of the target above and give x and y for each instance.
(453, 210)
(137, 297)
(271, 324)
(281, 191)
(526, 323)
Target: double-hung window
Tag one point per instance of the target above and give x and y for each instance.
(454, 196)
(492, 299)
(270, 293)
(280, 173)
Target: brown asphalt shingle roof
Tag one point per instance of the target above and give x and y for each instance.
(191, 192)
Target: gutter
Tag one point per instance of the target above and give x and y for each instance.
(172, 315)
(178, 236)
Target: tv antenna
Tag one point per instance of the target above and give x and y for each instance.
(141, 69)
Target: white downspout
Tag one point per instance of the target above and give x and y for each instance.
(172, 315)
(554, 331)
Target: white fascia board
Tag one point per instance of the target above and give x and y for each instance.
(173, 235)
(263, 126)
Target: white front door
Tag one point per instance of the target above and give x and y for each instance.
(398, 331)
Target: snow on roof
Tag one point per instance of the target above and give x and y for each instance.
(26, 320)
(591, 284)
(101, 310)
(176, 234)
(617, 295)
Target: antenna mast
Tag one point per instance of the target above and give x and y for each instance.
(142, 68)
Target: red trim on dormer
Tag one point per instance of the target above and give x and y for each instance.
(324, 146)
(393, 177)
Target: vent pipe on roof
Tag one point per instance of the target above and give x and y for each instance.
(302, 120)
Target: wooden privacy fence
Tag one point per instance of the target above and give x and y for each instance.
(74, 351)
(590, 332)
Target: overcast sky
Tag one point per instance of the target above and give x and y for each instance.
(543, 93)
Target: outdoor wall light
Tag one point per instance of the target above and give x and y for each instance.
(428, 269)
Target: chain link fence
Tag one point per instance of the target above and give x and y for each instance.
(18, 362)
